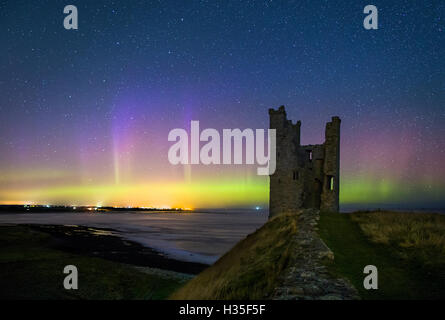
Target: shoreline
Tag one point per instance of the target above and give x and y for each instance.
(193, 237)
(106, 244)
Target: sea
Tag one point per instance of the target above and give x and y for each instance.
(188, 236)
(202, 236)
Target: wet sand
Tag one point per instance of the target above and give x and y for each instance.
(201, 237)
(101, 243)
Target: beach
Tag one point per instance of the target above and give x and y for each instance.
(196, 237)
(119, 255)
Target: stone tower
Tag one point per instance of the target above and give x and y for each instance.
(305, 176)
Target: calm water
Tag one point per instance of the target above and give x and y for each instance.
(201, 237)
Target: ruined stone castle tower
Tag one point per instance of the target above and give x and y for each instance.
(305, 176)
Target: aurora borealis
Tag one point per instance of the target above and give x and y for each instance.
(85, 115)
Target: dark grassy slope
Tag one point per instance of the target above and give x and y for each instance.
(408, 250)
(30, 268)
(408, 269)
(251, 269)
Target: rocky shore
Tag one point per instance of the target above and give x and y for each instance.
(106, 244)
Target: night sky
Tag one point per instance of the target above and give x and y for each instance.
(85, 114)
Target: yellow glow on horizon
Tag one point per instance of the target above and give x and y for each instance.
(163, 194)
(229, 190)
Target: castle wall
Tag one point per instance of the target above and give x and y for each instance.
(285, 189)
(331, 186)
(302, 176)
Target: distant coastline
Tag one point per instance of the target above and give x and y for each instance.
(58, 209)
(346, 208)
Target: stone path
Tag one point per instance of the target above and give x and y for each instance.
(309, 278)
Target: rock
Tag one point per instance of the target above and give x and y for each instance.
(309, 278)
(296, 291)
(313, 290)
(330, 297)
(306, 274)
(326, 254)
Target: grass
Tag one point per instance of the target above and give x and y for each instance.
(31, 269)
(407, 248)
(251, 269)
(417, 236)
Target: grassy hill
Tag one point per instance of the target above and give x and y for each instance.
(251, 269)
(407, 248)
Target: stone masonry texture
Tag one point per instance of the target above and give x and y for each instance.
(306, 176)
(308, 277)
